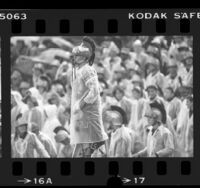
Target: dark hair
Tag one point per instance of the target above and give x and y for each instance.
(171, 89)
(117, 89)
(20, 73)
(59, 128)
(33, 100)
(121, 112)
(16, 134)
(55, 82)
(104, 82)
(18, 116)
(39, 67)
(93, 46)
(48, 80)
(160, 106)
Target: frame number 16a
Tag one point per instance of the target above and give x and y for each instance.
(36, 181)
(42, 181)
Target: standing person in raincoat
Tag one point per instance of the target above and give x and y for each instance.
(137, 121)
(44, 139)
(172, 104)
(51, 123)
(23, 88)
(189, 129)
(160, 142)
(17, 106)
(123, 141)
(139, 56)
(24, 143)
(44, 87)
(155, 77)
(186, 73)
(62, 137)
(34, 92)
(86, 129)
(182, 120)
(16, 78)
(121, 100)
(172, 78)
(38, 70)
(33, 114)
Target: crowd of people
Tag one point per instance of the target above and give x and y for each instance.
(145, 86)
(0, 105)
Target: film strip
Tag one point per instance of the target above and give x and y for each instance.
(98, 23)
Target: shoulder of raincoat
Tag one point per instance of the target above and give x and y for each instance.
(127, 104)
(38, 146)
(48, 145)
(163, 142)
(120, 143)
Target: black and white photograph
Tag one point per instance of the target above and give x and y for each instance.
(0, 106)
(101, 96)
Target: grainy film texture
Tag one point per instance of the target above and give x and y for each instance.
(76, 96)
(0, 106)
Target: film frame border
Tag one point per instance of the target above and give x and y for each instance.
(183, 170)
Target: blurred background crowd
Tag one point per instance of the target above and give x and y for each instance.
(133, 71)
(0, 101)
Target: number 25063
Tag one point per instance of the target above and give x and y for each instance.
(13, 16)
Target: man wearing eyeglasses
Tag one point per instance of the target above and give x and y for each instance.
(159, 139)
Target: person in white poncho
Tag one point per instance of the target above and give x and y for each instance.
(25, 144)
(51, 123)
(86, 128)
(17, 106)
(123, 141)
(160, 141)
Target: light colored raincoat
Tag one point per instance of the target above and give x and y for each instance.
(48, 145)
(51, 122)
(27, 147)
(161, 141)
(86, 124)
(173, 108)
(189, 137)
(120, 143)
(182, 120)
(19, 108)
